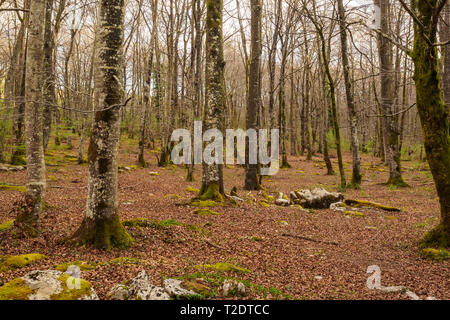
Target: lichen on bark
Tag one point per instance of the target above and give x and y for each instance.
(101, 226)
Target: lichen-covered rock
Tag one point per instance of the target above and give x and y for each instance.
(118, 292)
(316, 199)
(232, 288)
(20, 261)
(174, 288)
(47, 285)
(282, 200)
(199, 286)
(138, 288)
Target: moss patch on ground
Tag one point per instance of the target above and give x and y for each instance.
(83, 265)
(205, 203)
(6, 187)
(192, 190)
(15, 262)
(223, 267)
(435, 254)
(206, 212)
(6, 225)
(354, 214)
(137, 223)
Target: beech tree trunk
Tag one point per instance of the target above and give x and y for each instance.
(49, 79)
(445, 36)
(433, 114)
(212, 186)
(387, 97)
(254, 95)
(28, 219)
(101, 226)
(354, 137)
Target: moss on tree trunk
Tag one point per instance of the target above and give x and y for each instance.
(103, 233)
(101, 226)
(212, 182)
(433, 115)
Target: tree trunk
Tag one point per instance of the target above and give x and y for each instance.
(49, 80)
(391, 132)
(27, 220)
(445, 36)
(101, 226)
(254, 95)
(212, 186)
(148, 80)
(433, 116)
(356, 157)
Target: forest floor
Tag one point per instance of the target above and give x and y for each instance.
(248, 235)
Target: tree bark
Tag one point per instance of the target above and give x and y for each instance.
(433, 115)
(391, 132)
(353, 119)
(49, 79)
(212, 186)
(101, 226)
(28, 219)
(254, 95)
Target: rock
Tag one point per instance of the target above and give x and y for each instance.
(316, 199)
(47, 285)
(318, 278)
(281, 201)
(174, 288)
(199, 286)
(138, 288)
(233, 287)
(118, 292)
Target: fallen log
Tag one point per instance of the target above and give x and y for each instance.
(364, 203)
